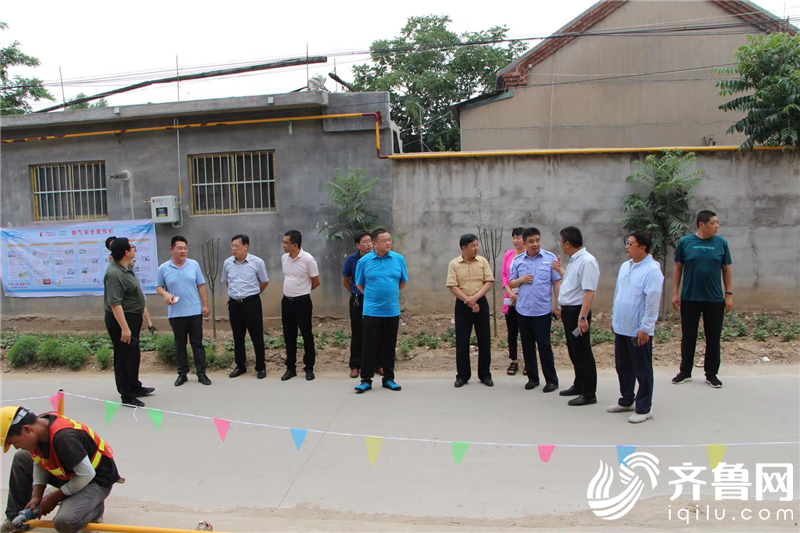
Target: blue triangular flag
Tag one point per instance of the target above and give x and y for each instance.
(624, 451)
(298, 436)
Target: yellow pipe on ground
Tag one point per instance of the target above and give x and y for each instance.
(114, 527)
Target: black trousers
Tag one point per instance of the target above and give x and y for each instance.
(296, 314)
(580, 351)
(513, 330)
(713, 316)
(192, 327)
(465, 321)
(127, 356)
(356, 329)
(634, 364)
(246, 316)
(380, 343)
(535, 330)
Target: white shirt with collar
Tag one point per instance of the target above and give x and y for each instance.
(582, 274)
(297, 274)
(637, 297)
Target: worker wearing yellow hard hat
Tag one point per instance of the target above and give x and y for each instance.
(55, 450)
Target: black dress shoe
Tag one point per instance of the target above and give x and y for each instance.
(459, 383)
(569, 392)
(550, 387)
(133, 402)
(237, 372)
(310, 375)
(290, 373)
(261, 374)
(202, 378)
(145, 391)
(181, 380)
(530, 385)
(582, 400)
(488, 382)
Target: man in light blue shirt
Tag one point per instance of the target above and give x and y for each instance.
(380, 275)
(182, 285)
(533, 274)
(633, 321)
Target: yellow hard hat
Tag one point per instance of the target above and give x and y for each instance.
(9, 416)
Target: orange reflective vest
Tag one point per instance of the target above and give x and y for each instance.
(52, 463)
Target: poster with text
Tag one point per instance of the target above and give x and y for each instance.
(71, 259)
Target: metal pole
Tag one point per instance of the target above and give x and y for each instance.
(63, 98)
(178, 76)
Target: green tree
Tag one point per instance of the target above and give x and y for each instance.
(349, 193)
(428, 68)
(88, 105)
(662, 207)
(769, 73)
(16, 91)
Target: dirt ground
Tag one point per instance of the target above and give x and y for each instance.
(741, 351)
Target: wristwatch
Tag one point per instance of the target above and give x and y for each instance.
(727, 293)
(582, 318)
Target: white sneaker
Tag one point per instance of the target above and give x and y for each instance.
(636, 418)
(617, 408)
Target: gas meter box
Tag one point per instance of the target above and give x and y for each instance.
(164, 209)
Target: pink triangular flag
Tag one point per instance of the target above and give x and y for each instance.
(222, 427)
(545, 451)
(55, 400)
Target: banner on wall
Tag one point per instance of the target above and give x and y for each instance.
(71, 259)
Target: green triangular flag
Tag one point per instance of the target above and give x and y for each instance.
(459, 449)
(156, 416)
(111, 410)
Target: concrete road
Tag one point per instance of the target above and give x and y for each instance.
(185, 467)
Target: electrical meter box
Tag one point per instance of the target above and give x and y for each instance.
(164, 209)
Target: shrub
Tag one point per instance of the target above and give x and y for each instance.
(209, 347)
(73, 355)
(340, 339)
(406, 346)
(760, 334)
(276, 343)
(48, 352)
(219, 361)
(557, 337)
(791, 332)
(449, 337)
(23, 352)
(165, 348)
(104, 357)
(663, 334)
(600, 336)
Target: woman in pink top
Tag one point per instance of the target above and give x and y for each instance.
(510, 295)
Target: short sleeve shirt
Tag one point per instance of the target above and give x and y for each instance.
(381, 278)
(469, 276)
(122, 288)
(536, 298)
(702, 261)
(349, 271)
(244, 279)
(583, 274)
(182, 282)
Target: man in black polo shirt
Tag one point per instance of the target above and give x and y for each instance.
(123, 301)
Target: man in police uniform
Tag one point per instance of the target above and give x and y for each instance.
(55, 450)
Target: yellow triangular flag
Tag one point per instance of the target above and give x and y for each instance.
(715, 454)
(373, 447)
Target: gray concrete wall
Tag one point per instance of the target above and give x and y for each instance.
(304, 161)
(675, 109)
(756, 195)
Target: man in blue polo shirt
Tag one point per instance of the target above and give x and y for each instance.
(182, 285)
(380, 276)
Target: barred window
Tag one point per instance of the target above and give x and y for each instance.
(240, 182)
(69, 191)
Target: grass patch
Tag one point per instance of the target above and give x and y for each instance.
(23, 352)
(104, 357)
(72, 355)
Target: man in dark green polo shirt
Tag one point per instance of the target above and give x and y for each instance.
(123, 301)
(702, 260)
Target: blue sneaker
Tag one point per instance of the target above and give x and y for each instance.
(363, 387)
(391, 385)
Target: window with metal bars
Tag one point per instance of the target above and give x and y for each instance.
(69, 191)
(239, 182)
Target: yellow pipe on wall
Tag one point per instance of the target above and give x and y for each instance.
(574, 151)
(114, 527)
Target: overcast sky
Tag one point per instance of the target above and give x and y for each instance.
(93, 39)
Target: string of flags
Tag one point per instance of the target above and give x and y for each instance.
(716, 452)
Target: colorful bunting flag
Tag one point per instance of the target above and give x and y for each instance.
(545, 451)
(715, 454)
(373, 447)
(298, 436)
(57, 401)
(157, 416)
(111, 410)
(222, 427)
(459, 449)
(624, 451)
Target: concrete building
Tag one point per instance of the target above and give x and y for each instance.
(625, 73)
(260, 179)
